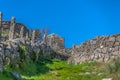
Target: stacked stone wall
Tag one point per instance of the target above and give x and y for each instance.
(101, 49)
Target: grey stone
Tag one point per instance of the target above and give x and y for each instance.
(11, 32)
(118, 38)
(27, 35)
(116, 44)
(16, 75)
(107, 79)
(112, 39)
(21, 32)
(0, 24)
(104, 50)
(7, 52)
(33, 38)
(30, 33)
(56, 42)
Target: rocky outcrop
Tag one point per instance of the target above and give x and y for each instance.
(23, 43)
(56, 43)
(17, 43)
(101, 49)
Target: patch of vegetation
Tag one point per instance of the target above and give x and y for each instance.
(61, 70)
(113, 69)
(22, 50)
(5, 32)
(33, 55)
(46, 69)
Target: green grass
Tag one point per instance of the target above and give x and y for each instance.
(55, 69)
(61, 70)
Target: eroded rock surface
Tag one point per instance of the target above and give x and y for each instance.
(101, 49)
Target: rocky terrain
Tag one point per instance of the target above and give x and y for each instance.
(100, 49)
(19, 45)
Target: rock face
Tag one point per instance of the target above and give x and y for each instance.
(10, 29)
(33, 37)
(21, 32)
(101, 49)
(13, 51)
(16, 47)
(11, 32)
(56, 42)
(26, 45)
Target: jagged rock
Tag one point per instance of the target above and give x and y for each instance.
(56, 42)
(111, 39)
(118, 38)
(116, 44)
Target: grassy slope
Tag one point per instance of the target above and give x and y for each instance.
(60, 70)
(55, 69)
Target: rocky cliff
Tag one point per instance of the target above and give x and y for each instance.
(100, 49)
(14, 50)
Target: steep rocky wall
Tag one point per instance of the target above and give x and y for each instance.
(15, 51)
(56, 42)
(101, 49)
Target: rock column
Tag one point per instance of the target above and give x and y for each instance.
(33, 38)
(44, 38)
(27, 36)
(21, 32)
(11, 32)
(30, 33)
(0, 23)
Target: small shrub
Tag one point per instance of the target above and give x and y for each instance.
(41, 54)
(33, 55)
(115, 66)
(22, 50)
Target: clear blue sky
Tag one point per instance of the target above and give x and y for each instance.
(75, 20)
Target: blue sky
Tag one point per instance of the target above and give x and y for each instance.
(75, 20)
